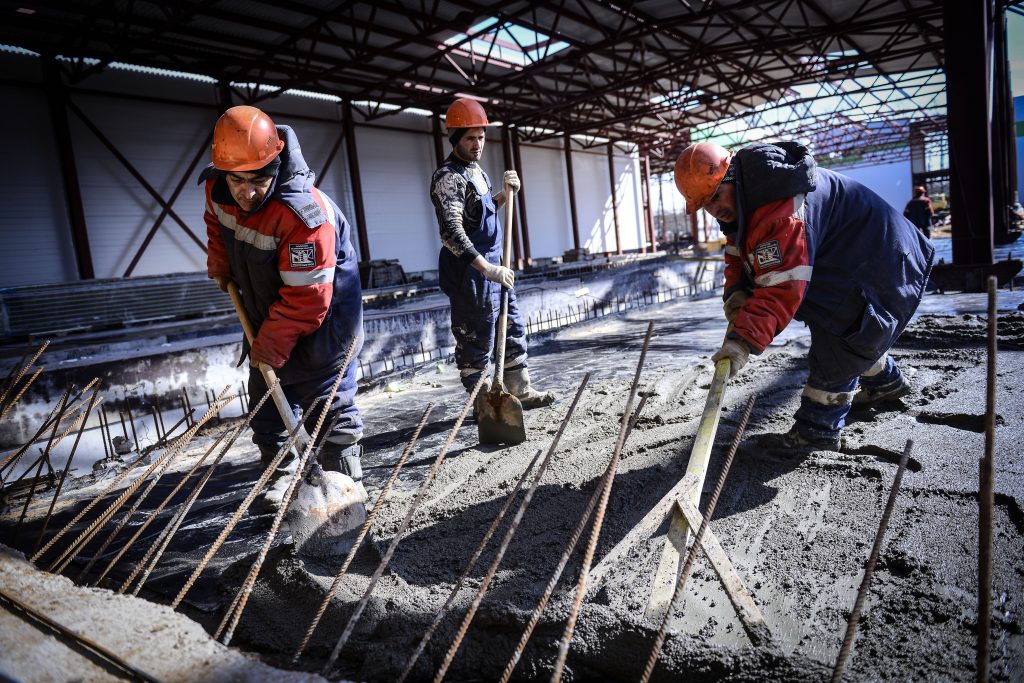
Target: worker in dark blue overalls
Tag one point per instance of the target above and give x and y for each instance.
(469, 265)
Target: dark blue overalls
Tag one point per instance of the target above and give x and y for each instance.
(475, 301)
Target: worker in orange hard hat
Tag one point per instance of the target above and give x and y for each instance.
(469, 265)
(287, 246)
(809, 244)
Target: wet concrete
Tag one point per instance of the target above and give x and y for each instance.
(798, 528)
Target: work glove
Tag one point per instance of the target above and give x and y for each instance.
(222, 282)
(737, 351)
(511, 180)
(734, 303)
(263, 353)
(506, 277)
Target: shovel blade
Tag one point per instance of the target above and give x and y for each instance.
(499, 418)
(325, 518)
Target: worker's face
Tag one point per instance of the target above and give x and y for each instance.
(471, 145)
(722, 204)
(248, 189)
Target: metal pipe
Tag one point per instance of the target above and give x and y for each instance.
(67, 468)
(986, 494)
(509, 534)
(572, 192)
(420, 493)
(869, 568)
(381, 497)
(615, 198)
(357, 183)
(709, 512)
(602, 505)
(577, 533)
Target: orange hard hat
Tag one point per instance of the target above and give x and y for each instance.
(245, 139)
(699, 171)
(465, 113)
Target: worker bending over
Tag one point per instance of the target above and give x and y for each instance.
(469, 263)
(286, 245)
(807, 243)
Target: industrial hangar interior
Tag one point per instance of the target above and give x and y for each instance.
(576, 340)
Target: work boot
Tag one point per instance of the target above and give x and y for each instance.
(794, 440)
(869, 396)
(277, 485)
(517, 382)
(344, 458)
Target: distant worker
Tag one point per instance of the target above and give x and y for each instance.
(807, 243)
(469, 267)
(919, 211)
(287, 247)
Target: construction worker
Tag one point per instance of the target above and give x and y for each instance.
(807, 243)
(469, 264)
(287, 246)
(919, 211)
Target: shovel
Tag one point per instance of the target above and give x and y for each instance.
(499, 414)
(328, 507)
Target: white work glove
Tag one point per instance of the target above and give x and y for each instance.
(511, 180)
(736, 351)
(506, 277)
(734, 303)
(222, 282)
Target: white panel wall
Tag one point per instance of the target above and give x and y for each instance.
(396, 169)
(891, 181)
(35, 237)
(548, 201)
(593, 201)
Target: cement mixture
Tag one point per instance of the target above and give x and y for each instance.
(797, 528)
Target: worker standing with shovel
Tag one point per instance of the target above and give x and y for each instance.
(287, 247)
(469, 265)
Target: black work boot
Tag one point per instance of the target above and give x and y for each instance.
(517, 381)
(277, 485)
(344, 458)
(796, 441)
(868, 396)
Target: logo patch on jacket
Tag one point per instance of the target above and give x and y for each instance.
(302, 255)
(768, 254)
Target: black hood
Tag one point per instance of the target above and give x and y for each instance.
(293, 178)
(768, 172)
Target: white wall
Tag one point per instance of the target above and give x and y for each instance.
(160, 138)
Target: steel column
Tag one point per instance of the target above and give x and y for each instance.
(357, 184)
(439, 138)
(648, 214)
(521, 198)
(56, 99)
(506, 153)
(969, 75)
(615, 198)
(1004, 147)
(572, 192)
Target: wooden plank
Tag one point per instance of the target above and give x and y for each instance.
(697, 467)
(746, 609)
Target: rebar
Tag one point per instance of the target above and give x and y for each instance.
(420, 493)
(23, 389)
(67, 468)
(61, 408)
(168, 533)
(709, 511)
(513, 527)
(156, 511)
(381, 497)
(126, 669)
(6, 384)
(242, 507)
(300, 473)
(869, 568)
(78, 544)
(577, 533)
(21, 373)
(602, 505)
(131, 421)
(986, 495)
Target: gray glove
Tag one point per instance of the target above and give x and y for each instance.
(511, 180)
(734, 303)
(736, 351)
(506, 277)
